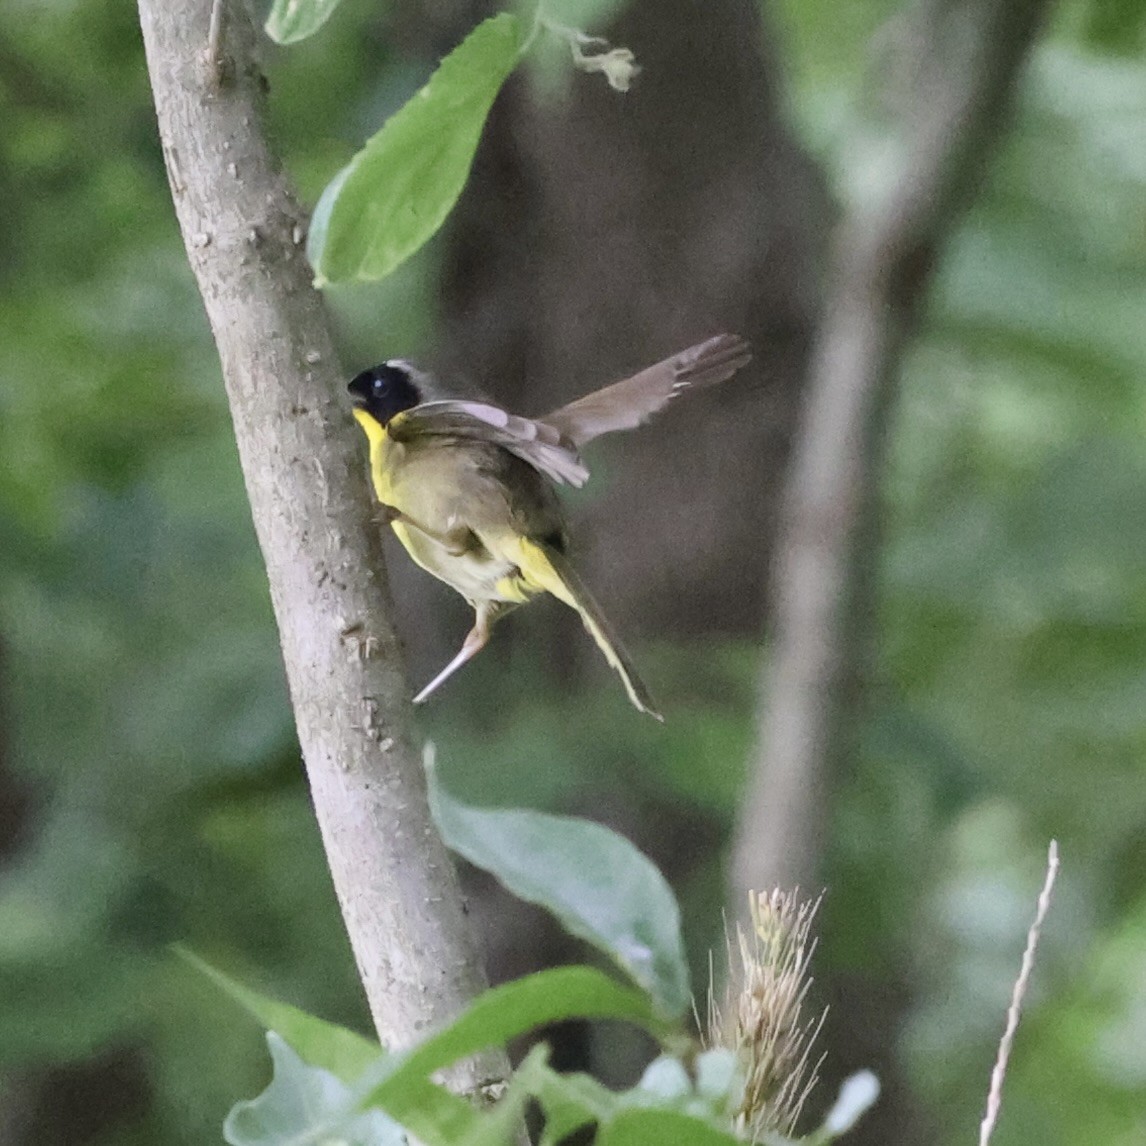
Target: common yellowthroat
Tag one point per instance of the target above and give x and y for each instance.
(469, 488)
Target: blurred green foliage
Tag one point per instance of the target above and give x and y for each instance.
(1012, 691)
(144, 708)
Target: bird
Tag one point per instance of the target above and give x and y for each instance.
(469, 489)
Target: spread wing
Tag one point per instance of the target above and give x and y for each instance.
(541, 445)
(626, 405)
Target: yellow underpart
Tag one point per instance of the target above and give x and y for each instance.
(516, 589)
(374, 429)
(535, 574)
(538, 571)
(379, 442)
(535, 570)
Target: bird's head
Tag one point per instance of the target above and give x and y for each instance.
(385, 390)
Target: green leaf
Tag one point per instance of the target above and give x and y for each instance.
(304, 1105)
(433, 1114)
(430, 1112)
(570, 1101)
(600, 887)
(293, 20)
(499, 1126)
(504, 1012)
(343, 1052)
(397, 191)
(652, 1127)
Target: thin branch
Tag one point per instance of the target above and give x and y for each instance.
(214, 49)
(304, 474)
(995, 1095)
(971, 53)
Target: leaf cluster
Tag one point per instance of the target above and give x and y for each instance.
(331, 1084)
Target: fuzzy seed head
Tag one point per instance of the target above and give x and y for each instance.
(761, 1015)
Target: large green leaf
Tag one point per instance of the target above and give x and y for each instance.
(342, 1052)
(502, 1013)
(653, 1127)
(502, 1124)
(292, 20)
(397, 191)
(570, 1101)
(434, 1115)
(599, 886)
(306, 1106)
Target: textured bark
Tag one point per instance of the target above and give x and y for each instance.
(304, 474)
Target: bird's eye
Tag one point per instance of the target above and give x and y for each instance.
(379, 385)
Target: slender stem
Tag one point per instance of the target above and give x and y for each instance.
(999, 1073)
(214, 40)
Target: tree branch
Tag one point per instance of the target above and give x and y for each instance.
(970, 54)
(1018, 994)
(305, 478)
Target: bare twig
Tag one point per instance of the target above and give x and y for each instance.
(995, 1095)
(970, 54)
(214, 49)
(304, 476)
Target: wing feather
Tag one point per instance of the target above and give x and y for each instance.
(628, 404)
(534, 442)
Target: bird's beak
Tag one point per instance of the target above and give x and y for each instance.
(359, 390)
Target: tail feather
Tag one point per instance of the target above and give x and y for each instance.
(554, 573)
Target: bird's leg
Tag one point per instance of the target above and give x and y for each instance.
(473, 644)
(456, 542)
